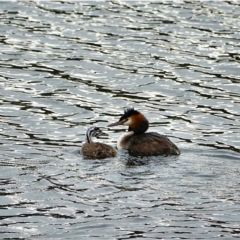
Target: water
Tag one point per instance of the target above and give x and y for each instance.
(65, 66)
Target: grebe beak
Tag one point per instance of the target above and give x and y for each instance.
(116, 123)
(113, 124)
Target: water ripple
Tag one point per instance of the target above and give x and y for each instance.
(67, 65)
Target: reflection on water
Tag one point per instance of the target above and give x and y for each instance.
(67, 65)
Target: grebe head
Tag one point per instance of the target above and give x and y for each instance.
(94, 132)
(135, 121)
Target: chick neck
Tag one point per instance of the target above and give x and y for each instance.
(88, 137)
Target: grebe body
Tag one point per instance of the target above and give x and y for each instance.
(96, 150)
(139, 142)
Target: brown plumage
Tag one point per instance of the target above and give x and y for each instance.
(96, 150)
(137, 142)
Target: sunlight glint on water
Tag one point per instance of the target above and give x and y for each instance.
(65, 66)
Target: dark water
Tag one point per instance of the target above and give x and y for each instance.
(65, 66)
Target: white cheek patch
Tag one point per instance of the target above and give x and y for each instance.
(127, 123)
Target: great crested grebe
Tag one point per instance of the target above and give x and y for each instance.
(96, 150)
(137, 142)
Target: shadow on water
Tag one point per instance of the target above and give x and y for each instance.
(134, 161)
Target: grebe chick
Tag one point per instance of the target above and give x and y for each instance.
(137, 142)
(96, 150)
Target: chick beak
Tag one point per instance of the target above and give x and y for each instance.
(102, 135)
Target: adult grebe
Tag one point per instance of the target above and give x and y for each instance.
(96, 150)
(137, 142)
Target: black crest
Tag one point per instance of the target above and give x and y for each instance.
(129, 112)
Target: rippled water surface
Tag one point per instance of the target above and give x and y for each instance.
(65, 66)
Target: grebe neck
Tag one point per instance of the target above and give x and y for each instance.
(139, 128)
(123, 141)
